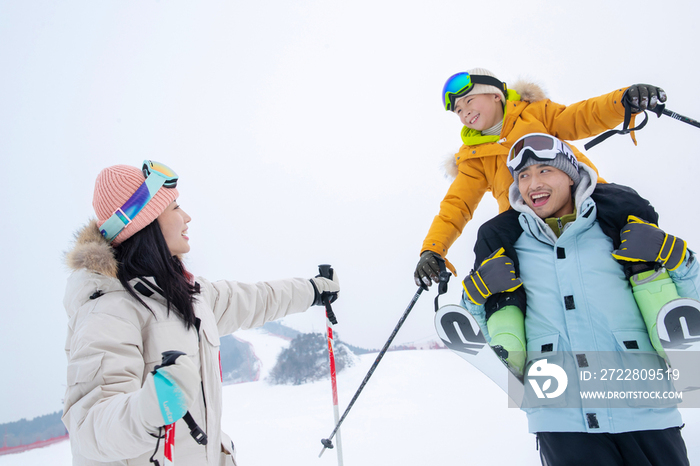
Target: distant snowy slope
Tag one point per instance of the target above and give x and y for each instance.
(266, 347)
(419, 407)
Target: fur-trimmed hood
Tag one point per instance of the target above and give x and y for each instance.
(93, 266)
(528, 91)
(92, 252)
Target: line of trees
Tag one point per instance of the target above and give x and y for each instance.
(24, 432)
(306, 360)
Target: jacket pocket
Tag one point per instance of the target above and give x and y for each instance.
(642, 372)
(211, 333)
(168, 336)
(546, 374)
(228, 452)
(633, 340)
(83, 369)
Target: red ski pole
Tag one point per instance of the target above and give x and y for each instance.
(326, 271)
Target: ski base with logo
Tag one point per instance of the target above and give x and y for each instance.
(678, 325)
(460, 332)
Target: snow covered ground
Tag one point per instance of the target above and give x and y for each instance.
(419, 407)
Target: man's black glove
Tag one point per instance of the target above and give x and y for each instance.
(639, 97)
(429, 267)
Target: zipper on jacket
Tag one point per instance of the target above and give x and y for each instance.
(197, 325)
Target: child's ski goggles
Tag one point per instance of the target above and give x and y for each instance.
(157, 175)
(542, 147)
(461, 84)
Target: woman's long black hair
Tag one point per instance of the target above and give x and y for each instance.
(146, 254)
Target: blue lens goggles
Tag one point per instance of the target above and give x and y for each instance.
(460, 84)
(157, 176)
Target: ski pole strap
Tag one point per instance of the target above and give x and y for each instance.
(329, 311)
(153, 459)
(625, 129)
(442, 284)
(195, 431)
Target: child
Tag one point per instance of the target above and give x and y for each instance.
(494, 117)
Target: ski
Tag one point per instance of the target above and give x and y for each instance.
(461, 333)
(678, 325)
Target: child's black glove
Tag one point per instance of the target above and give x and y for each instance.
(429, 267)
(496, 274)
(639, 97)
(645, 242)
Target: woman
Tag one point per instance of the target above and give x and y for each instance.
(130, 299)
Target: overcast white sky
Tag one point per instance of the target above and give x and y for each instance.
(303, 132)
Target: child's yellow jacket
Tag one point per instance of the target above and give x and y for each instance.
(481, 162)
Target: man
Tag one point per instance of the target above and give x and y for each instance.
(580, 303)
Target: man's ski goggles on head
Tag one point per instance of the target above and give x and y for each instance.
(157, 176)
(542, 147)
(460, 84)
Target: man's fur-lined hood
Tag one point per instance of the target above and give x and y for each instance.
(92, 252)
(528, 91)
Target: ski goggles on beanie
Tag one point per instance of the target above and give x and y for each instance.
(157, 176)
(542, 147)
(460, 84)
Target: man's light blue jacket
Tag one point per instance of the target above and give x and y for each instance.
(581, 307)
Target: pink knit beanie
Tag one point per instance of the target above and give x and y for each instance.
(114, 186)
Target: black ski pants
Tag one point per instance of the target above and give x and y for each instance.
(642, 448)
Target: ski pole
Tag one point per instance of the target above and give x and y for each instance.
(326, 271)
(327, 443)
(660, 109)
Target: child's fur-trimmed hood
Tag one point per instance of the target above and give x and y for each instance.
(529, 91)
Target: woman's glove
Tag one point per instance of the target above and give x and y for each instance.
(496, 274)
(324, 288)
(641, 241)
(168, 393)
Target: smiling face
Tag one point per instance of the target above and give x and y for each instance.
(546, 190)
(173, 223)
(479, 112)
